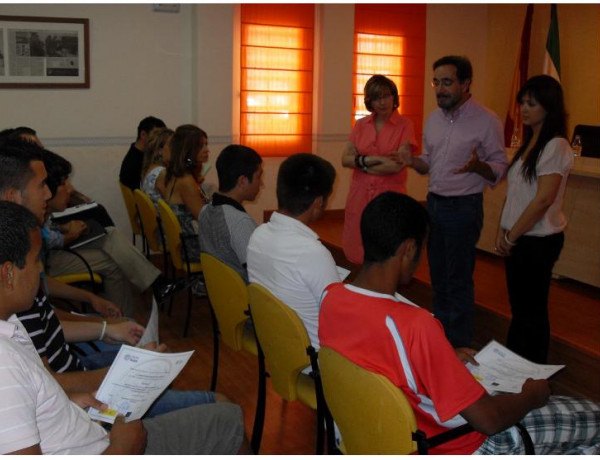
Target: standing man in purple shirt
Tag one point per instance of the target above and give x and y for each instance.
(463, 152)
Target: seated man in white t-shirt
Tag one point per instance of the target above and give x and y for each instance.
(285, 255)
(38, 417)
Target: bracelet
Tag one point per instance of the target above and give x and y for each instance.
(365, 166)
(357, 160)
(103, 330)
(510, 243)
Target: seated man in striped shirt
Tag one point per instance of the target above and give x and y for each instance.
(22, 181)
(38, 417)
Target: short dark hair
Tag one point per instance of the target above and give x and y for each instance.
(20, 130)
(16, 224)
(148, 124)
(234, 161)
(6, 134)
(374, 88)
(389, 220)
(464, 70)
(302, 178)
(15, 164)
(15, 134)
(58, 169)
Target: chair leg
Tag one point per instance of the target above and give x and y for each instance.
(189, 312)
(320, 430)
(170, 309)
(259, 416)
(330, 433)
(166, 263)
(215, 326)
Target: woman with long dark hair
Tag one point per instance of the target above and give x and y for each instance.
(530, 234)
(181, 186)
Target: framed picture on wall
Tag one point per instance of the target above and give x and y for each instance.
(39, 52)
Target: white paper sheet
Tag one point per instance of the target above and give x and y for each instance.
(343, 272)
(136, 378)
(151, 332)
(74, 210)
(503, 370)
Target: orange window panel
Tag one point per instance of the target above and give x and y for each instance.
(389, 39)
(276, 78)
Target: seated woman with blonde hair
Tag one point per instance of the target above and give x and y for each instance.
(180, 186)
(156, 157)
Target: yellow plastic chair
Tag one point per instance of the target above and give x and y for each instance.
(151, 225)
(228, 296)
(287, 349)
(132, 212)
(87, 278)
(80, 278)
(174, 241)
(374, 416)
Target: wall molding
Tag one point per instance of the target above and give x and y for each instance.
(119, 141)
(110, 141)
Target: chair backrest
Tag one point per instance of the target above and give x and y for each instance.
(131, 210)
(172, 229)
(228, 296)
(590, 140)
(282, 337)
(373, 415)
(148, 215)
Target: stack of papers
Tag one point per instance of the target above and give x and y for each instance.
(501, 370)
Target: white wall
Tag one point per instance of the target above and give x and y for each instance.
(140, 65)
(183, 68)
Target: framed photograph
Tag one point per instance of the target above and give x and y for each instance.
(38, 52)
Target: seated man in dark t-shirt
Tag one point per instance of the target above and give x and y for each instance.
(131, 167)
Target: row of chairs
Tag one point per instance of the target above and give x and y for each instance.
(250, 318)
(373, 415)
(161, 232)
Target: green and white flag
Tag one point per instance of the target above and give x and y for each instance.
(552, 56)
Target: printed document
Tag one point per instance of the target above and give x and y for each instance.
(136, 378)
(503, 370)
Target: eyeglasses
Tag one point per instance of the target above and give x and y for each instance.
(445, 82)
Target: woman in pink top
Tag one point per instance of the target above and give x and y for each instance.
(374, 150)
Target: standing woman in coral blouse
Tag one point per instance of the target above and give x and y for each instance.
(376, 144)
(532, 223)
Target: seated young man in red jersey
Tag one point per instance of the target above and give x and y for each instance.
(368, 323)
